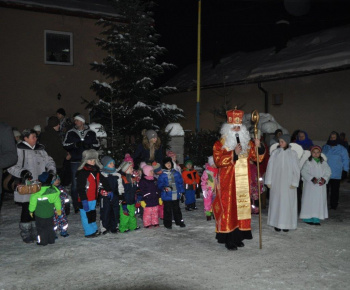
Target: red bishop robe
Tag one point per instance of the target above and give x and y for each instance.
(225, 202)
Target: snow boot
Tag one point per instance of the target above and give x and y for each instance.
(26, 232)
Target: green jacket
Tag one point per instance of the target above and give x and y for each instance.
(45, 201)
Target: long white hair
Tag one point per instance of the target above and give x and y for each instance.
(229, 137)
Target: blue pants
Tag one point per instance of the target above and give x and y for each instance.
(89, 228)
(190, 195)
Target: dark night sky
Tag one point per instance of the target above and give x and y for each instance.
(229, 25)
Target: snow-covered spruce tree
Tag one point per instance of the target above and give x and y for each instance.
(129, 101)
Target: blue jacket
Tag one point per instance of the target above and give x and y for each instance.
(164, 182)
(337, 159)
(78, 141)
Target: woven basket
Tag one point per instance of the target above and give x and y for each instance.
(29, 189)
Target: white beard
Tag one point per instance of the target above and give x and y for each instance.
(230, 137)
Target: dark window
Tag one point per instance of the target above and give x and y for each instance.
(58, 47)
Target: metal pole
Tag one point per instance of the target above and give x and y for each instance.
(198, 64)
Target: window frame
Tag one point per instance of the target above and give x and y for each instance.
(71, 62)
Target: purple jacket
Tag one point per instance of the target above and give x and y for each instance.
(149, 192)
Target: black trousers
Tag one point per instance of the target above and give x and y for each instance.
(233, 238)
(333, 189)
(46, 234)
(172, 208)
(109, 212)
(25, 217)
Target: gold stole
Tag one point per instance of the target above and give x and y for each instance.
(242, 188)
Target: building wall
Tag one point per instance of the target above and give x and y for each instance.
(317, 104)
(28, 86)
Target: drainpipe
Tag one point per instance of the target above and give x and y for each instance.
(266, 97)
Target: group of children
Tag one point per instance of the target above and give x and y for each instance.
(154, 190)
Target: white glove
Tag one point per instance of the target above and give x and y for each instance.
(205, 194)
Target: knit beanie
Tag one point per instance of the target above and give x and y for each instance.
(147, 169)
(61, 111)
(285, 137)
(151, 134)
(125, 166)
(315, 147)
(188, 161)
(166, 160)
(128, 158)
(37, 128)
(53, 121)
(156, 167)
(80, 118)
(106, 160)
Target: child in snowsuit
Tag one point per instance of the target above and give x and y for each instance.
(89, 180)
(61, 221)
(150, 197)
(109, 205)
(43, 204)
(191, 179)
(128, 220)
(208, 182)
(157, 170)
(171, 185)
(316, 174)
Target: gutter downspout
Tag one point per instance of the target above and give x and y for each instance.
(266, 97)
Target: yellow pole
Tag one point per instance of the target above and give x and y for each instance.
(255, 120)
(198, 63)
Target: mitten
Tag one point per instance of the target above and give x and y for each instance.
(59, 212)
(143, 204)
(322, 181)
(137, 205)
(85, 205)
(125, 209)
(314, 180)
(103, 192)
(167, 189)
(25, 174)
(208, 213)
(182, 198)
(110, 195)
(160, 201)
(31, 214)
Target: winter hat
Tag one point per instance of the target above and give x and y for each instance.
(170, 154)
(16, 133)
(90, 155)
(61, 111)
(142, 164)
(285, 137)
(37, 128)
(106, 160)
(166, 160)
(125, 166)
(188, 161)
(211, 160)
(315, 147)
(156, 167)
(147, 169)
(45, 178)
(151, 134)
(80, 118)
(128, 158)
(53, 121)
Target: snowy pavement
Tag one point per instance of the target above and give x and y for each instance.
(312, 257)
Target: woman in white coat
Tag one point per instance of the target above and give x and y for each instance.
(282, 177)
(316, 174)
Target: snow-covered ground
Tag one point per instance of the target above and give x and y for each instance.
(312, 257)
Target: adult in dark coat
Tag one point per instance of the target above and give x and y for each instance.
(8, 150)
(53, 143)
(150, 150)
